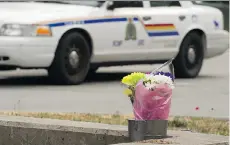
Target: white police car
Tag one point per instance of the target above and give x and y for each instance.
(72, 38)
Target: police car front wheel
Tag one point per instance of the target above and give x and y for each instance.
(72, 60)
(188, 62)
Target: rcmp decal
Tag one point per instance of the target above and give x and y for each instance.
(141, 42)
(91, 21)
(117, 43)
(131, 32)
(152, 30)
(216, 24)
(159, 30)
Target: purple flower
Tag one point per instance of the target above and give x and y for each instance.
(168, 74)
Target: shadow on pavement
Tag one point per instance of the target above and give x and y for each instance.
(95, 78)
(44, 80)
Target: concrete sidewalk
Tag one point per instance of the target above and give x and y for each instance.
(186, 138)
(16, 130)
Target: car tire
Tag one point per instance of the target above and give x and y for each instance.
(72, 60)
(189, 60)
(93, 70)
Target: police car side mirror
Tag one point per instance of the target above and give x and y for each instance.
(110, 5)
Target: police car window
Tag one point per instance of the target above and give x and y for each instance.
(87, 3)
(164, 3)
(125, 4)
(225, 2)
(211, 2)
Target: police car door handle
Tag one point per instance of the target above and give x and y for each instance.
(146, 18)
(182, 17)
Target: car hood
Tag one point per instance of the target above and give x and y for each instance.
(33, 12)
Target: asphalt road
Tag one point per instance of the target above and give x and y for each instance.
(103, 93)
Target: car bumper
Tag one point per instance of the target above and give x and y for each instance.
(26, 52)
(217, 43)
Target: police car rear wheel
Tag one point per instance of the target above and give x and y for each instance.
(72, 60)
(189, 61)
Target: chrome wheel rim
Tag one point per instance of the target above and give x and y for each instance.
(73, 58)
(191, 55)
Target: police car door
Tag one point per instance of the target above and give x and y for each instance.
(128, 35)
(164, 25)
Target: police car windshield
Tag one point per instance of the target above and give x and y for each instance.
(74, 2)
(87, 3)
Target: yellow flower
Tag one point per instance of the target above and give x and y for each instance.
(133, 78)
(128, 92)
(126, 80)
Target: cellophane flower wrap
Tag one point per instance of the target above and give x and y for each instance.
(150, 94)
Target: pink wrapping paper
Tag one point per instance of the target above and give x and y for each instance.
(152, 105)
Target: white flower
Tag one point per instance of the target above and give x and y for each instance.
(162, 79)
(150, 86)
(157, 80)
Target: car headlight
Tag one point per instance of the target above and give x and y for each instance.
(24, 30)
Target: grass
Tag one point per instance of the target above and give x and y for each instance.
(196, 124)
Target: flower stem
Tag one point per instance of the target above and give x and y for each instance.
(131, 99)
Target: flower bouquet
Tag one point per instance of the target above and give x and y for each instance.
(150, 94)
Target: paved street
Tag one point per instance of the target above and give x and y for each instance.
(22, 91)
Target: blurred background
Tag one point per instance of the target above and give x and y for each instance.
(102, 93)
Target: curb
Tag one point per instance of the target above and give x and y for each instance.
(36, 131)
(186, 138)
(15, 130)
